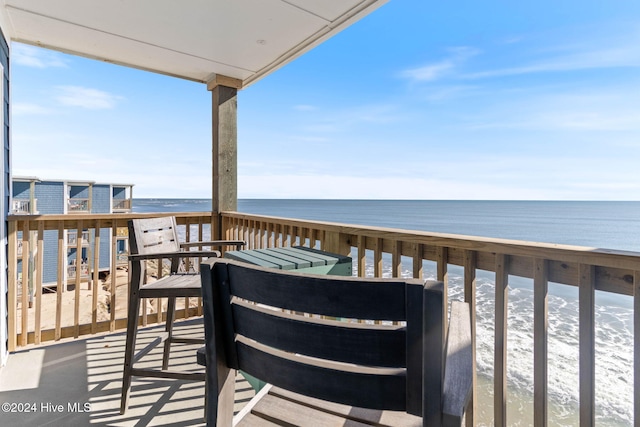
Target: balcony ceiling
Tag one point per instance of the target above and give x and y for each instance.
(196, 39)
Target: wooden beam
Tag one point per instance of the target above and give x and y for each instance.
(225, 153)
(220, 80)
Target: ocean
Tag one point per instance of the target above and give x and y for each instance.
(608, 225)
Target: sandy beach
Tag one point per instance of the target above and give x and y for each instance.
(103, 306)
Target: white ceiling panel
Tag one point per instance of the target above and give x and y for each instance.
(329, 10)
(195, 39)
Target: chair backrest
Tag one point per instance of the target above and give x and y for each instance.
(255, 314)
(153, 235)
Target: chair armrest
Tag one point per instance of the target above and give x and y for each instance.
(458, 375)
(173, 255)
(237, 243)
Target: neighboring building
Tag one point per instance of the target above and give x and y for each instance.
(34, 196)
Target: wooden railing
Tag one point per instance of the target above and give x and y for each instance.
(77, 205)
(378, 252)
(20, 206)
(384, 252)
(121, 204)
(77, 304)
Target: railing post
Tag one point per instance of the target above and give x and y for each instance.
(540, 340)
(39, 265)
(62, 282)
(442, 275)
(418, 255)
(362, 256)
(76, 306)
(500, 349)
(377, 257)
(26, 249)
(337, 243)
(470, 265)
(396, 258)
(95, 278)
(112, 274)
(636, 347)
(587, 351)
(12, 291)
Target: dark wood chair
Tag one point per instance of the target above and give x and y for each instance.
(396, 363)
(157, 239)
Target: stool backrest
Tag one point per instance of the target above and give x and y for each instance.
(153, 235)
(291, 330)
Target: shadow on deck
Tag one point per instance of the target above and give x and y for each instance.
(79, 382)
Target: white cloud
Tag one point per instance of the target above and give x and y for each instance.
(617, 50)
(437, 70)
(31, 56)
(92, 99)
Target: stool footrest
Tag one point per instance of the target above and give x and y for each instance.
(157, 373)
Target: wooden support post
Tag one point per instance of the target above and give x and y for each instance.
(442, 259)
(39, 265)
(540, 340)
(418, 256)
(337, 243)
(587, 345)
(636, 345)
(225, 150)
(362, 256)
(470, 263)
(500, 339)
(12, 286)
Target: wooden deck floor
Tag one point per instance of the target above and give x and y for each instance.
(78, 383)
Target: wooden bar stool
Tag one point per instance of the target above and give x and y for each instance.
(157, 239)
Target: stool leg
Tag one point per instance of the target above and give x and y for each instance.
(171, 315)
(130, 348)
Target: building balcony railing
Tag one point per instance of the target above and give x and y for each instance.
(78, 205)
(122, 258)
(121, 205)
(23, 207)
(72, 238)
(73, 269)
(485, 272)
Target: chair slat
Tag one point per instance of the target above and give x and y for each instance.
(287, 412)
(154, 235)
(375, 388)
(372, 345)
(324, 295)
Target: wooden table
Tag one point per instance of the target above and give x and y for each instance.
(299, 258)
(275, 406)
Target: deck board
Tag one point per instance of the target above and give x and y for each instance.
(283, 407)
(90, 371)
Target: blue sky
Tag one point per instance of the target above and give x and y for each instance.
(419, 100)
